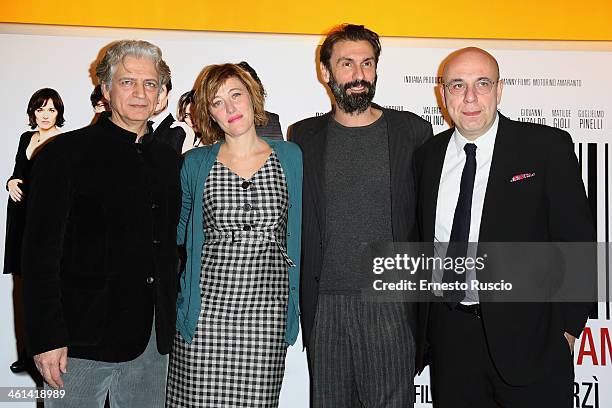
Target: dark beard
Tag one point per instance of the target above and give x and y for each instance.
(354, 102)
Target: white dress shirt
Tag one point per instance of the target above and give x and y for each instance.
(158, 119)
(450, 182)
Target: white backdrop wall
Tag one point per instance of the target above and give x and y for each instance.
(560, 84)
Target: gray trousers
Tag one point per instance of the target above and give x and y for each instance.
(361, 354)
(139, 383)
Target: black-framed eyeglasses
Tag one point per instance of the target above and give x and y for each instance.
(482, 86)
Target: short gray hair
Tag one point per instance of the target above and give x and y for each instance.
(118, 50)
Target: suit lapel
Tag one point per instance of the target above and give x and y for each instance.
(395, 162)
(164, 125)
(314, 169)
(504, 155)
(430, 184)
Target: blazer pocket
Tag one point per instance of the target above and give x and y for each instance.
(85, 314)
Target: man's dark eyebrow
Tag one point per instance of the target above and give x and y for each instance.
(352, 59)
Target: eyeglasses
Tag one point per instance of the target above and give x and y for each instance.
(481, 87)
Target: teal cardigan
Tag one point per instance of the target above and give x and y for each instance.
(196, 167)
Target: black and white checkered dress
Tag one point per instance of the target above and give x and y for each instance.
(237, 356)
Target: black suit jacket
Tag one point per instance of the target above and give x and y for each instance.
(272, 129)
(523, 338)
(406, 132)
(100, 244)
(174, 137)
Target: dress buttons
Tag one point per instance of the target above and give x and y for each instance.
(150, 280)
(246, 228)
(246, 184)
(247, 207)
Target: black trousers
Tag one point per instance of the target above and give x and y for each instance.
(361, 354)
(464, 376)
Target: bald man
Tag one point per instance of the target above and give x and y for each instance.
(471, 179)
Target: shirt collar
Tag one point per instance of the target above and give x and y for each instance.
(484, 144)
(156, 120)
(113, 130)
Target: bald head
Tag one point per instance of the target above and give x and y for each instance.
(469, 54)
(473, 76)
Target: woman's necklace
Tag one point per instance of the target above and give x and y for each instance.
(38, 141)
(40, 138)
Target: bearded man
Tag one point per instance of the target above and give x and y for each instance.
(358, 189)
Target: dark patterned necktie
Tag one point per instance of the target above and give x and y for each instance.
(460, 233)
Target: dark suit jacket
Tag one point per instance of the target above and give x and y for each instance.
(174, 137)
(522, 337)
(100, 244)
(406, 132)
(272, 130)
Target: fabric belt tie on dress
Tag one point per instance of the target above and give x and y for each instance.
(247, 236)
